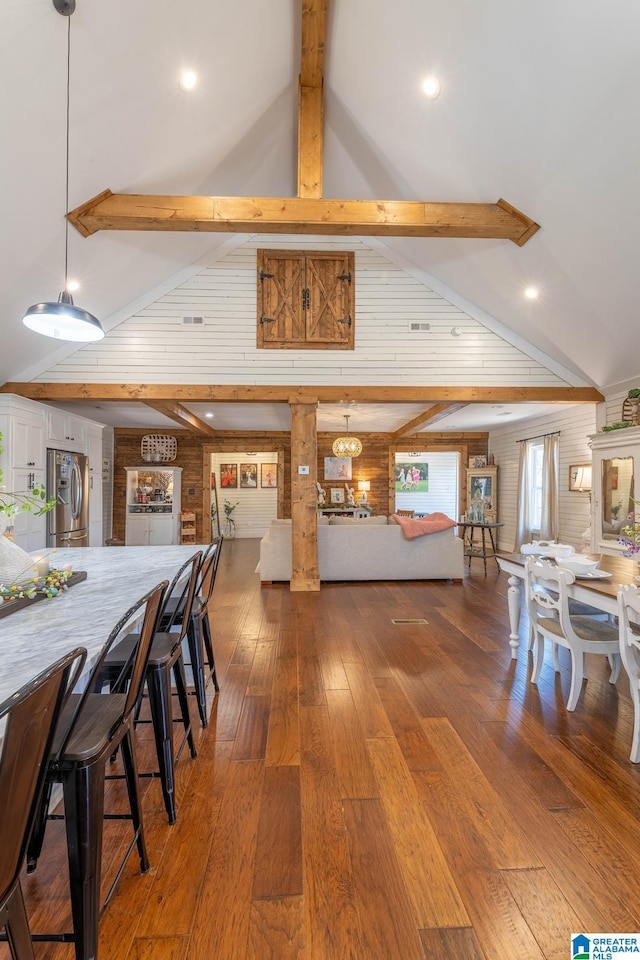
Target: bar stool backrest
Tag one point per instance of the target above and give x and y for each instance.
(31, 718)
(131, 676)
(179, 596)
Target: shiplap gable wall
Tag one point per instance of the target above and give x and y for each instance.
(575, 425)
(154, 346)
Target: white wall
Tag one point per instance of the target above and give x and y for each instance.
(442, 495)
(575, 425)
(258, 506)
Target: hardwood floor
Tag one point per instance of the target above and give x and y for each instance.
(373, 791)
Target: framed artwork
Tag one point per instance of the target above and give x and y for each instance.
(337, 495)
(229, 475)
(412, 477)
(337, 468)
(249, 476)
(477, 462)
(580, 477)
(482, 488)
(268, 474)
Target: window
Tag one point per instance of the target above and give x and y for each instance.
(535, 454)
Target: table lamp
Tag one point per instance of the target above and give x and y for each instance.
(363, 488)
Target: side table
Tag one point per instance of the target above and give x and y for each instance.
(482, 549)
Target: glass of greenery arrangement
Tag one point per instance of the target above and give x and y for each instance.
(230, 523)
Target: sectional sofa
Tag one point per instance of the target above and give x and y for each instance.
(366, 549)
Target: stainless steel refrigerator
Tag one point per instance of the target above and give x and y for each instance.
(68, 482)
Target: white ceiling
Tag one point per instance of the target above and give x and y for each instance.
(363, 417)
(538, 105)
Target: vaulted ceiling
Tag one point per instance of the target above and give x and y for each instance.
(538, 106)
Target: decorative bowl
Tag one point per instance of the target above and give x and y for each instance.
(578, 563)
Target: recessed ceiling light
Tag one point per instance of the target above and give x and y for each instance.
(209, 416)
(188, 80)
(431, 88)
(531, 293)
(72, 286)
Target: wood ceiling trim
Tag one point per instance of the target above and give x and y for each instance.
(437, 412)
(302, 215)
(252, 393)
(178, 413)
(311, 99)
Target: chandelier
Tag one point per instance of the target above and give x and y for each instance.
(347, 446)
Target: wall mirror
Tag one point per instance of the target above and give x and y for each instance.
(617, 495)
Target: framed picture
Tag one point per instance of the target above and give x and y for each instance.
(337, 468)
(249, 476)
(229, 475)
(337, 495)
(412, 477)
(268, 474)
(580, 477)
(481, 488)
(477, 462)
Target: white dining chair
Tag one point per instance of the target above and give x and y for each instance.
(548, 606)
(629, 636)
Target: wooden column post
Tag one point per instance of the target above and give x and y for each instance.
(304, 517)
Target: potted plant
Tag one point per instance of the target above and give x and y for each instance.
(229, 523)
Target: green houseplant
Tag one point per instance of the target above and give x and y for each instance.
(230, 523)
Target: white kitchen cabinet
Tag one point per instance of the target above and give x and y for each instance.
(22, 425)
(29, 530)
(615, 465)
(66, 432)
(153, 505)
(94, 454)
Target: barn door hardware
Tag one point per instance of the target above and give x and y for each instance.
(346, 320)
(264, 320)
(344, 276)
(306, 300)
(266, 276)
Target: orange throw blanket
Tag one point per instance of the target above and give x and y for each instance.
(434, 523)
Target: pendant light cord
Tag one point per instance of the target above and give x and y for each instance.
(66, 185)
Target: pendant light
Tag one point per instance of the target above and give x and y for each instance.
(63, 320)
(348, 446)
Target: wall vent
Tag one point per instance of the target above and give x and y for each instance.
(398, 622)
(193, 321)
(416, 327)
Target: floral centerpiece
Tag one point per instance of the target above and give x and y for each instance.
(630, 534)
(35, 580)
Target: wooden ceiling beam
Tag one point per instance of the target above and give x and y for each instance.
(179, 414)
(302, 215)
(311, 99)
(437, 412)
(253, 393)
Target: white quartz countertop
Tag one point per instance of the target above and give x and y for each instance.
(34, 637)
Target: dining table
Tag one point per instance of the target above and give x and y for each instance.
(599, 590)
(35, 636)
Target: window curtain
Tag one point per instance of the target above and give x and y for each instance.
(524, 534)
(549, 520)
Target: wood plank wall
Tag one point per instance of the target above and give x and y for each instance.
(155, 345)
(575, 424)
(373, 464)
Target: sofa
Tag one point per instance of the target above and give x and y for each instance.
(366, 549)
